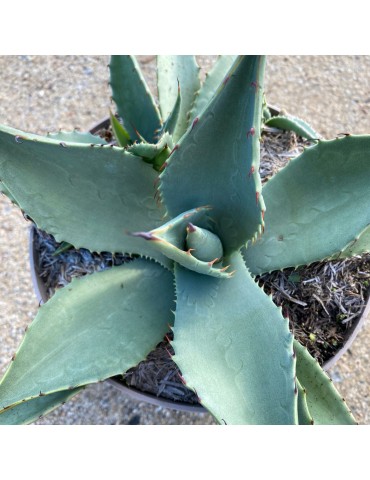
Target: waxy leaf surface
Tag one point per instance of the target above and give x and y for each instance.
(96, 327)
(234, 348)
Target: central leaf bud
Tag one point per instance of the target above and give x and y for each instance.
(205, 245)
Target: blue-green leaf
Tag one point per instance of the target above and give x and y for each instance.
(304, 416)
(76, 137)
(170, 239)
(324, 403)
(120, 133)
(213, 79)
(234, 348)
(135, 103)
(216, 162)
(316, 207)
(173, 70)
(96, 327)
(88, 196)
(295, 124)
(29, 411)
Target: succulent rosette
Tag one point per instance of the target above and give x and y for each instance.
(181, 193)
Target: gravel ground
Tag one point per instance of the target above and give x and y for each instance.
(45, 93)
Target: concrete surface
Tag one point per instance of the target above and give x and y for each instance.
(45, 93)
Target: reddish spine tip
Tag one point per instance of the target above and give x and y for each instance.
(191, 228)
(251, 171)
(263, 214)
(257, 197)
(226, 79)
(183, 381)
(251, 132)
(164, 165)
(195, 121)
(145, 235)
(176, 147)
(210, 264)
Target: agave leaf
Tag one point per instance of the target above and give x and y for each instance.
(171, 71)
(150, 150)
(266, 113)
(161, 158)
(169, 239)
(316, 206)
(171, 122)
(360, 245)
(91, 210)
(27, 412)
(120, 133)
(295, 124)
(304, 416)
(213, 79)
(76, 137)
(216, 162)
(71, 137)
(243, 374)
(96, 327)
(6, 192)
(325, 404)
(135, 103)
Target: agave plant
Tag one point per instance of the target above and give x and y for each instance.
(181, 193)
